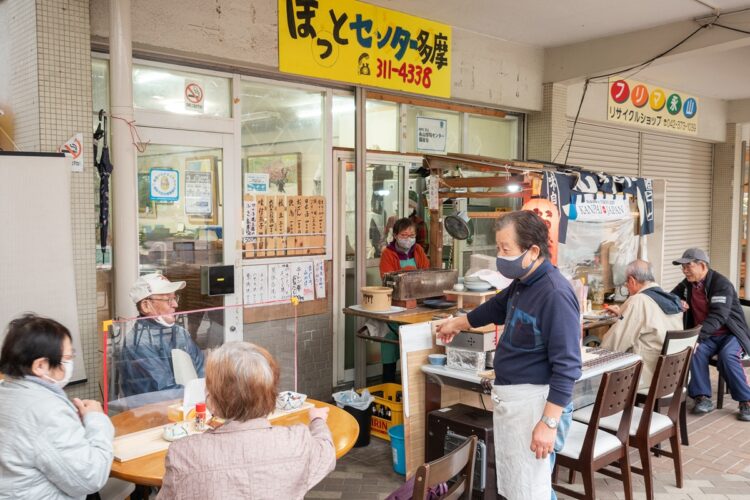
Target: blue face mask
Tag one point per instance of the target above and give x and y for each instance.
(512, 267)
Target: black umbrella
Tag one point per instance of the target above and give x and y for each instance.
(104, 167)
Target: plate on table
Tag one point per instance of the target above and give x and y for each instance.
(476, 286)
(438, 303)
(392, 310)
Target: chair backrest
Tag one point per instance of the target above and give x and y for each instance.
(616, 394)
(746, 309)
(669, 379)
(182, 364)
(458, 462)
(677, 340)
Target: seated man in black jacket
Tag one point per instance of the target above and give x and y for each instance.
(711, 300)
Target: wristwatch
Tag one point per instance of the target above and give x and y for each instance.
(549, 422)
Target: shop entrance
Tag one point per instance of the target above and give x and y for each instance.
(390, 178)
(182, 221)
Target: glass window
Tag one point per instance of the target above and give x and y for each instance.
(180, 215)
(181, 92)
(100, 100)
(491, 136)
(382, 125)
(343, 121)
(284, 170)
(453, 119)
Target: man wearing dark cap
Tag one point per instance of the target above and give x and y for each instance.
(711, 300)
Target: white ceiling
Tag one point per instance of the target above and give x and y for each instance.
(698, 74)
(550, 23)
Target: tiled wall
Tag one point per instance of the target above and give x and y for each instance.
(63, 73)
(23, 107)
(314, 352)
(548, 129)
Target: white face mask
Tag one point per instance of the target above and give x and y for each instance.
(68, 367)
(163, 322)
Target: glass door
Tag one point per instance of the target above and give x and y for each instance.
(183, 224)
(387, 200)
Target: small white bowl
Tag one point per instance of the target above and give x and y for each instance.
(290, 400)
(459, 287)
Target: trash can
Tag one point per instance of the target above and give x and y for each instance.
(360, 407)
(363, 418)
(397, 447)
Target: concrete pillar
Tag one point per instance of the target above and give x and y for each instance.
(124, 175)
(548, 129)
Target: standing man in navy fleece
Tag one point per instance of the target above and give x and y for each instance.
(538, 357)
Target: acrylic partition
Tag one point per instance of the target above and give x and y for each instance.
(149, 361)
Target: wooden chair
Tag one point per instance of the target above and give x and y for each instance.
(648, 427)
(587, 448)
(675, 341)
(714, 361)
(459, 462)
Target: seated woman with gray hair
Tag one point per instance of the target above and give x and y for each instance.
(247, 457)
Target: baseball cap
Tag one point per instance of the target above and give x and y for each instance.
(690, 255)
(153, 284)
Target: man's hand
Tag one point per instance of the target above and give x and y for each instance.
(614, 310)
(450, 328)
(685, 305)
(86, 406)
(543, 440)
(316, 412)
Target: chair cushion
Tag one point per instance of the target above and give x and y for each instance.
(644, 392)
(604, 442)
(612, 423)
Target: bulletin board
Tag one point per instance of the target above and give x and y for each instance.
(280, 226)
(36, 257)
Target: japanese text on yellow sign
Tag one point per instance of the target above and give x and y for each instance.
(364, 44)
(636, 103)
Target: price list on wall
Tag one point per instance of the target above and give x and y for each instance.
(272, 283)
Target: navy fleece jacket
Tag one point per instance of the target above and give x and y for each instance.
(540, 343)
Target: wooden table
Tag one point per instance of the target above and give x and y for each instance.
(149, 470)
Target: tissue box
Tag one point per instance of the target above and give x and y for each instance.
(461, 359)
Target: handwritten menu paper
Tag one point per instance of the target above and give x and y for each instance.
(279, 282)
(320, 279)
(303, 284)
(198, 193)
(255, 284)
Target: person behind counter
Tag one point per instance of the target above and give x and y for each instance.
(644, 319)
(537, 360)
(145, 360)
(247, 457)
(401, 254)
(51, 447)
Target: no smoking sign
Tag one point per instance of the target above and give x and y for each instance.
(194, 96)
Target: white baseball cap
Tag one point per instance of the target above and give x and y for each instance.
(153, 284)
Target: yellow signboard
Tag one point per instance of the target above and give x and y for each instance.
(363, 44)
(635, 103)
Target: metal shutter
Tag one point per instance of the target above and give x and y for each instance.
(687, 166)
(603, 149)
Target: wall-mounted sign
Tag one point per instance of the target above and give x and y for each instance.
(165, 184)
(73, 148)
(599, 208)
(198, 193)
(194, 96)
(364, 44)
(432, 134)
(256, 182)
(643, 105)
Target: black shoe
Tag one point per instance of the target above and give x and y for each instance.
(744, 413)
(703, 405)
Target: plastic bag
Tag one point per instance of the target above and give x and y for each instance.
(353, 399)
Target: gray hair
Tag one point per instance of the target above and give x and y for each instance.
(641, 271)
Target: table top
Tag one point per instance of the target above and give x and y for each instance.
(446, 373)
(417, 315)
(149, 470)
(590, 324)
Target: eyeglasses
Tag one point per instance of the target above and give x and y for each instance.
(175, 299)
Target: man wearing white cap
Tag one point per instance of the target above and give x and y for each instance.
(145, 360)
(710, 300)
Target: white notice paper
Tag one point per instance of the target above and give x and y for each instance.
(255, 284)
(279, 282)
(198, 193)
(432, 134)
(250, 226)
(302, 280)
(320, 279)
(73, 148)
